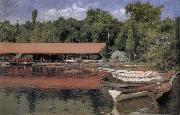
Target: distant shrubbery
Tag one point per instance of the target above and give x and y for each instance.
(144, 37)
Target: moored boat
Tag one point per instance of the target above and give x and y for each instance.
(21, 63)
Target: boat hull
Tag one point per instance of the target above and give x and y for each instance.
(22, 63)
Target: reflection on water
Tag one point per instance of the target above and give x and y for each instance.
(140, 105)
(52, 102)
(24, 71)
(169, 103)
(28, 101)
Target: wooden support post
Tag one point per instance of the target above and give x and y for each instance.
(49, 57)
(88, 56)
(36, 58)
(65, 56)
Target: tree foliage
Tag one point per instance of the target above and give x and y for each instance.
(178, 39)
(34, 17)
(143, 12)
(130, 42)
(7, 32)
(143, 36)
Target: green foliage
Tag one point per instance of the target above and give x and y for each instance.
(101, 23)
(154, 40)
(34, 17)
(86, 33)
(162, 57)
(144, 36)
(120, 41)
(143, 12)
(106, 52)
(130, 42)
(28, 25)
(24, 35)
(167, 25)
(95, 16)
(178, 39)
(94, 28)
(7, 32)
(162, 53)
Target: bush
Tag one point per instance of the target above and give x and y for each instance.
(119, 56)
(106, 53)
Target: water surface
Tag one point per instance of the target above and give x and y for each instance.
(54, 101)
(169, 103)
(24, 101)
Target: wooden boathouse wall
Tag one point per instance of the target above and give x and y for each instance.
(53, 51)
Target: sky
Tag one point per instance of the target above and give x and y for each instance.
(20, 10)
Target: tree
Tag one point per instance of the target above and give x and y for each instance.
(60, 30)
(86, 33)
(167, 25)
(7, 32)
(106, 52)
(120, 41)
(162, 52)
(99, 22)
(144, 36)
(143, 12)
(17, 28)
(178, 39)
(24, 34)
(34, 17)
(28, 25)
(36, 34)
(98, 16)
(146, 26)
(130, 42)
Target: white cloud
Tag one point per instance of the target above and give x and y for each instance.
(75, 11)
(52, 12)
(120, 14)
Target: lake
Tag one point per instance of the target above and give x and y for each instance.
(27, 100)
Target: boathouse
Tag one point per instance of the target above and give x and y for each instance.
(52, 51)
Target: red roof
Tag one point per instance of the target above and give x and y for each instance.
(51, 48)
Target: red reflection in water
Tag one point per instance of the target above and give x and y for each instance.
(50, 78)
